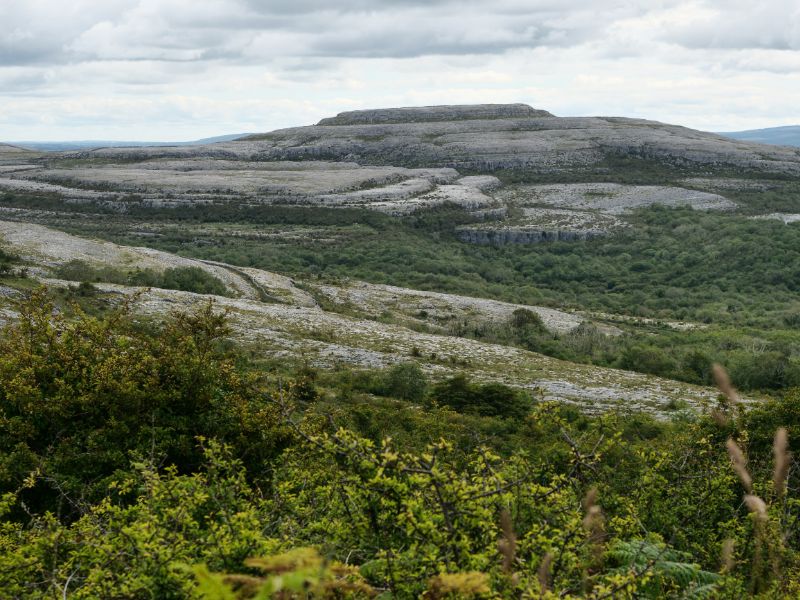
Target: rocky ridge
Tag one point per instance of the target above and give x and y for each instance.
(486, 138)
(401, 160)
(430, 114)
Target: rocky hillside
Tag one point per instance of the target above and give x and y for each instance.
(345, 324)
(401, 160)
(487, 138)
(9, 149)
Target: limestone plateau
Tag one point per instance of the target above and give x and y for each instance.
(487, 137)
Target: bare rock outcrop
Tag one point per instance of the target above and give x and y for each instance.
(485, 138)
(427, 114)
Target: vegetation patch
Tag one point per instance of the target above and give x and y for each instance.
(186, 279)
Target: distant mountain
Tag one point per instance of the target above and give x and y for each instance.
(89, 144)
(781, 136)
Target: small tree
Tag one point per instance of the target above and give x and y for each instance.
(406, 381)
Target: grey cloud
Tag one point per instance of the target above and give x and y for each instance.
(740, 24)
(36, 31)
(179, 30)
(44, 32)
(20, 80)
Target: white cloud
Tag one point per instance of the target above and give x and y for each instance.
(189, 68)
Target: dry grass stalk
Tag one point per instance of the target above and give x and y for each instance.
(728, 561)
(544, 573)
(724, 383)
(507, 545)
(756, 506)
(590, 499)
(594, 524)
(780, 448)
(720, 418)
(593, 521)
(739, 464)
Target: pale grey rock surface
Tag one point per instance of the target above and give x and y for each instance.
(578, 211)
(487, 138)
(428, 114)
(612, 198)
(785, 217)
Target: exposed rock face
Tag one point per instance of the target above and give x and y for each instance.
(612, 198)
(427, 114)
(540, 143)
(485, 138)
(787, 218)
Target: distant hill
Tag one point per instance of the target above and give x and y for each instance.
(9, 149)
(89, 144)
(514, 138)
(788, 135)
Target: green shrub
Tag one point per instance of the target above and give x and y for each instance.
(186, 279)
(78, 397)
(406, 381)
(490, 399)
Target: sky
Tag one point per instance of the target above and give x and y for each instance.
(171, 70)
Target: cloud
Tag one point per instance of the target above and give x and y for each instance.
(151, 67)
(740, 24)
(36, 31)
(185, 30)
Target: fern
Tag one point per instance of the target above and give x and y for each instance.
(672, 574)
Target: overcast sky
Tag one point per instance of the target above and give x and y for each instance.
(184, 69)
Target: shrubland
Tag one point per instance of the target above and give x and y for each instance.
(144, 459)
(731, 278)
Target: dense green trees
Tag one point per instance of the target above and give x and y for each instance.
(406, 381)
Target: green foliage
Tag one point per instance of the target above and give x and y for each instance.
(298, 573)
(406, 381)
(408, 517)
(522, 318)
(489, 399)
(144, 462)
(134, 542)
(672, 573)
(187, 279)
(78, 397)
(8, 261)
